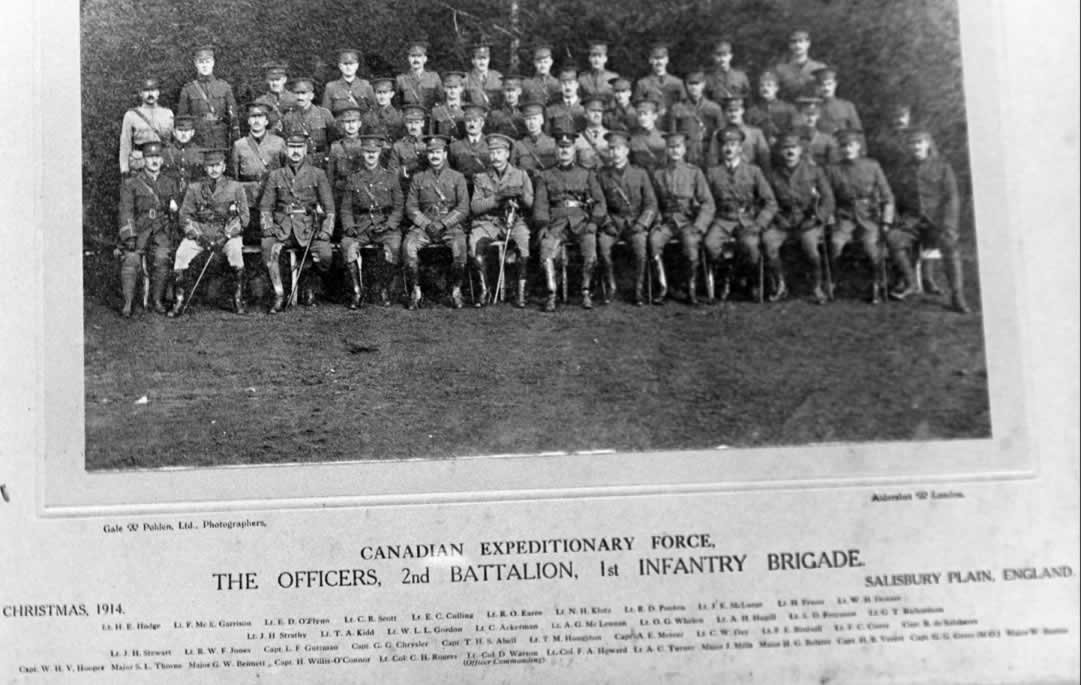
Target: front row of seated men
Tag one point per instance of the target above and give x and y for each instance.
(732, 206)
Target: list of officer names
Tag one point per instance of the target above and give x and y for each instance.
(860, 607)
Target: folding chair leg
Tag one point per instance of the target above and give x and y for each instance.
(563, 270)
(707, 276)
(761, 278)
(294, 274)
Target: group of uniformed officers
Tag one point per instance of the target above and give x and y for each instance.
(472, 160)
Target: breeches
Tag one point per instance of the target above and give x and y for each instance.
(390, 241)
(322, 254)
(690, 239)
(190, 249)
(561, 230)
(623, 229)
(418, 238)
(484, 232)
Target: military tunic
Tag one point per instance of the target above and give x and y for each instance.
(864, 199)
(632, 209)
(449, 119)
(569, 205)
(745, 208)
(340, 94)
(469, 157)
(484, 89)
(384, 120)
(213, 105)
(597, 82)
(293, 198)
(373, 205)
(344, 159)
(147, 207)
(774, 117)
(821, 146)
(699, 121)
(837, 114)
(183, 163)
(534, 155)
(143, 125)
(592, 148)
(507, 119)
(437, 196)
(542, 89)
(616, 116)
(928, 205)
(318, 124)
(648, 149)
(490, 214)
(668, 89)
(795, 78)
(685, 206)
(564, 116)
(730, 83)
(252, 161)
(213, 212)
(424, 89)
(804, 206)
(277, 105)
(408, 157)
(755, 148)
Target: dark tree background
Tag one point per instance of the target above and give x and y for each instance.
(884, 49)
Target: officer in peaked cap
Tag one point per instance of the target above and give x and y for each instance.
(448, 117)
(598, 79)
(147, 122)
(211, 102)
(277, 98)
(350, 89)
(408, 154)
(536, 150)
(667, 88)
(483, 86)
(469, 154)
(315, 123)
(542, 87)
(418, 86)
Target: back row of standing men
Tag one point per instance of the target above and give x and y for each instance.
(459, 107)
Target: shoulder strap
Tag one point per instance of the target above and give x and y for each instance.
(138, 113)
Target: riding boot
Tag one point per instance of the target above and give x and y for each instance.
(456, 273)
(692, 290)
(129, 275)
(955, 276)
(274, 269)
(238, 292)
(587, 277)
(389, 282)
(662, 281)
(550, 283)
(639, 282)
(483, 296)
(157, 289)
(904, 263)
(354, 280)
(930, 284)
(180, 279)
(412, 276)
(519, 301)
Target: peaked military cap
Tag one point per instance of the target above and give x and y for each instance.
(348, 55)
(696, 77)
(350, 112)
(453, 78)
(799, 34)
(149, 84)
(618, 132)
(677, 137)
(531, 107)
(474, 109)
(650, 100)
(658, 49)
(808, 102)
(213, 155)
(372, 142)
(384, 82)
(256, 109)
(734, 101)
(302, 84)
(565, 138)
(732, 132)
(151, 148)
(274, 69)
(184, 122)
(594, 102)
(789, 139)
(437, 140)
(203, 51)
(512, 82)
(413, 112)
(620, 84)
(481, 47)
(598, 47)
(297, 139)
(499, 140)
(568, 72)
(542, 50)
(417, 47)
(824, 73)
(847, 135)
(722, 46)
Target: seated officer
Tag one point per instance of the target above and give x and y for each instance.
(569, 204)
(928, 208)
(407, 156)
(294, 197)
(864, 200)
(437, 205)
(686, 208)
(149, 201)
(254, 156)
(745, 202)
(502, 198)
(212, 217)
(632, 209)
(805, 206)
(372, 206)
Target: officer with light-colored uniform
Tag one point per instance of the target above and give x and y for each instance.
(149, 122)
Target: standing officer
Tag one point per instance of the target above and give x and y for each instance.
(349, 90)
(864, 200)
(314, 123)
(502, 198)
(805, 207)
(276, 98)
(469, 155)
(483, 86)
(419, 86)
(254, 157)
(598, 80)
(772, 114)
(928, 206)
(699, 117)
(723, 81)
(183, 159)
(632, 209)
(592, 144)
(372, 207)
(686, 209)
(448, 118)
(755, 147)
(837, 113)
(566, 113)
(536, 151)
(383, 118)
(648, 147)
(212, 217)
(796, 72)
(149, 122)
(821, 146)
(345, 153)
(408, 155)
(294, 198)
(437, 205)
(621, 112)
(665, 88)
(744, 201)
(509, 118)
(210, 101)
(569, 204)
(542, 87)
(149, 201)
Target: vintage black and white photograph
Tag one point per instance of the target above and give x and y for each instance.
(326, 231)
